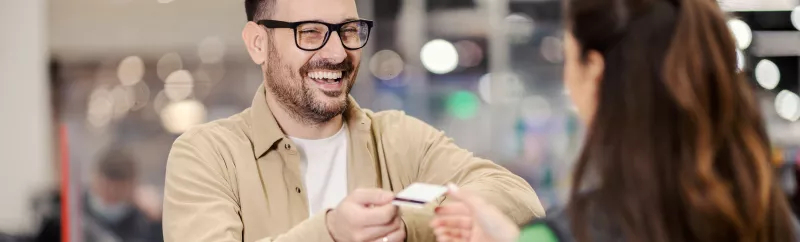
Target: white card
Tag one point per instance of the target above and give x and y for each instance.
(419, 194)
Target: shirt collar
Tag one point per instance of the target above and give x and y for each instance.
(266, 131)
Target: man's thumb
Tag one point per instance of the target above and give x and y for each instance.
(372, 197)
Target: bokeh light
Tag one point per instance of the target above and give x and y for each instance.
(787, 104)
(141, 94)
(100, 109)
(168, 64)
(211, 50)
(552, 49)
(179, 85)
(439, 56)
(470, 53)
(462, 104)
(796, 17)
(742, 32)
(177, 117)
(767, 74)
(509, 86)
(130, 70)
(123, 101)
(485, 88)
(520, 28)
(386, 65)
(160, 101)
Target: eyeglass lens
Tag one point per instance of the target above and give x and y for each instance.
(312, 35)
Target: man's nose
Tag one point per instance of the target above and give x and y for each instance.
(333, 51)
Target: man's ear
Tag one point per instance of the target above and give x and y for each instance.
(254, 37)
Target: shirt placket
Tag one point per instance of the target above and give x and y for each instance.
(298, 199)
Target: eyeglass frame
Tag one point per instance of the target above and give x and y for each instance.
(277, 24)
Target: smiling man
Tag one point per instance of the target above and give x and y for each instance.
(305, 162)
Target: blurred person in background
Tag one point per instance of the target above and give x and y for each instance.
(676, 148)
(111, 210)
(305, 162)
(114, 208)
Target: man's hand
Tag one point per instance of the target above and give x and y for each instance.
(366, 215)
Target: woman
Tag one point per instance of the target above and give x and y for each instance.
(675, 150)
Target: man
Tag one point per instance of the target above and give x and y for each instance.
(110, 209)
(304, 162)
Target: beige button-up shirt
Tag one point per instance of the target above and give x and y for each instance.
(238, 179)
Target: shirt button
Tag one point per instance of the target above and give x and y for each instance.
(297, 189)
(287, 146)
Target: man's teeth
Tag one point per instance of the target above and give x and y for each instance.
(325, 75)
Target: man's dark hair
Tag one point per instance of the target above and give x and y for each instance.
(259, 9)
(117, 165)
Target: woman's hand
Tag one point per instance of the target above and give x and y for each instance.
(468, 218)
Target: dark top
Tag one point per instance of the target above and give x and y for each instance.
(135, 227)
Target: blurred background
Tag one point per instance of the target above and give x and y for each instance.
(94, 92)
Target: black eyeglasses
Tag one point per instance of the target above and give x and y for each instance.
(313, 35)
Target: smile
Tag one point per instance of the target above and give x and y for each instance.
(327, 80)
(325, 76)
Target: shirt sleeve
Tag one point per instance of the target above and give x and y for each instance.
(441, 162)
(201, 204)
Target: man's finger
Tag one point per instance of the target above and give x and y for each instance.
(380, 231)
(380, 215)
(395, 236)
(371, 196)
(451, 234)
(460, 222)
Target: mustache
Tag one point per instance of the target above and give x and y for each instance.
(345, 66)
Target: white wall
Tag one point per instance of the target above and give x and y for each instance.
(88, 30)
(25, 131)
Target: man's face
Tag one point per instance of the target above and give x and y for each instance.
(111, 191)
(311, 85)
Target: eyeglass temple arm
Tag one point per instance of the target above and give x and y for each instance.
(276, 24)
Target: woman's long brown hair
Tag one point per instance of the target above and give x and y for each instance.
(677, 149)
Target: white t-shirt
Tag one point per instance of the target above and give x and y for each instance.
(324, 169)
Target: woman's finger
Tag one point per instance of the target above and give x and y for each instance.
(473, 202)
(453, 233)
(452, 208)
(461, 222)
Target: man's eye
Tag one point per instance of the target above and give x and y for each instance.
(309, 31)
